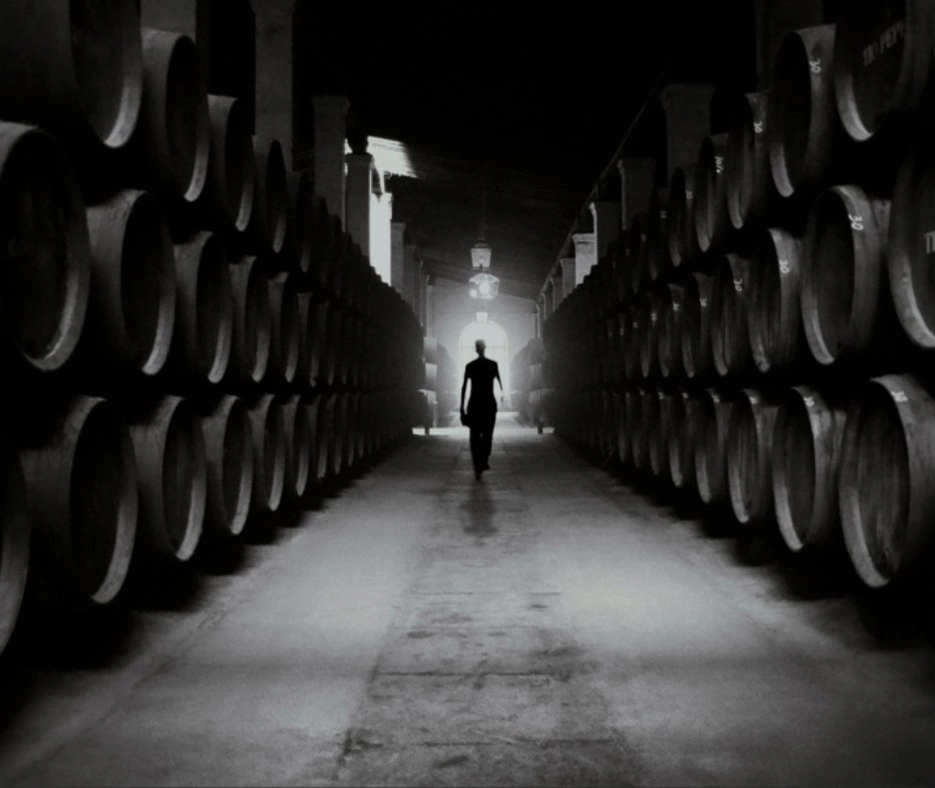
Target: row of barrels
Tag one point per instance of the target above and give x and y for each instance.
(825, 120)
(851, 289)
(822, 467)
(130, 105)
(110, 276)
(101, 488)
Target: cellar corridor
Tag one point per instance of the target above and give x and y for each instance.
(548, 624)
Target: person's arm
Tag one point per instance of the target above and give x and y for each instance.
(463, 389)
(499, 381)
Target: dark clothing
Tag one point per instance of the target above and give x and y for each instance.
(482, 372)
(481, 408)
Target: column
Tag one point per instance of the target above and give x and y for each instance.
(411, 267)
(430, 306)
(775, 18)
(274, 19)
(549, 299)
(188, 17)
(637, 181)
(558, 294)
(688, 121)
(569, 276)
(358, 198)
(381, 235)
(330, 130)
(398, 259)
(606, 217)
(585, 256)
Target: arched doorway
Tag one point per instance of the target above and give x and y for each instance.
(497, 350)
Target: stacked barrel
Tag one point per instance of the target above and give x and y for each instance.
(191, 341)
(758, 339)
(529, 373)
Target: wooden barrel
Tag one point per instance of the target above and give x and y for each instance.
(335, 368)
(45, 254)
(806, 457)
(711, 412)
(299, 436)
(709, 209)
(775, 316)
(170, 457)
(335, 257)
(267, 425)
(657, 418)
(730, 339)
(636, 240)
(883, 61)
(669, 335)
(682, 240)
(325, 424)
(638, 426)
(657, 236)
(749, 453)
(269, 228)
(337, 447)
(649, 326)
(252, 337)
(81, 481)
(204, 310)
(300, 235)
(695, 331)
(802, 115)
(230, 192)
(886, 496)
(316, 473)
(229, 459)
(285, 344)
(172, 142)
(681, 441)
(747, 162)
(844, 289)
(319, 227)
(14, 541)
(131, 313)
(911, 253)
(74, 67)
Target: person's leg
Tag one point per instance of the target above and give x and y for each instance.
(477, 447)
(489, 421)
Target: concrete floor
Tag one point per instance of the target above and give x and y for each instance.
(547, 625)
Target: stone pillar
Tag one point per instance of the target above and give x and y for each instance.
(330, 131)
(430, 306)
(548, 297)
(688, 121)
(585, 255)
(606, 217)
(398, 259)
(411, 267)
(637, 181)
(775, 18)
(381, 236)
(274, 74)
(188, 17)
(358, 198)
(569, 276)
(540, 309)
(558, 289)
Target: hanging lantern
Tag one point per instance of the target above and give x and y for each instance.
(484, 286)
(480, 256)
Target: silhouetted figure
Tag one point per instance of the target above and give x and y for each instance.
(482, 407)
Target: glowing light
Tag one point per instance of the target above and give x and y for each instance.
(480, 255)
(484, 286)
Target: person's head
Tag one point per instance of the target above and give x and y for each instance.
(480, 346)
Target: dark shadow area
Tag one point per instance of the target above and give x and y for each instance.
(901, 615)
(478, 511)
(88, 638)
(163, 586)
(219, 556)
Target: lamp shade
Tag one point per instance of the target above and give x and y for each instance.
(484, 286)
(480, 255)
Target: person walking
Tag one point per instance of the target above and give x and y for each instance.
(482, 406)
